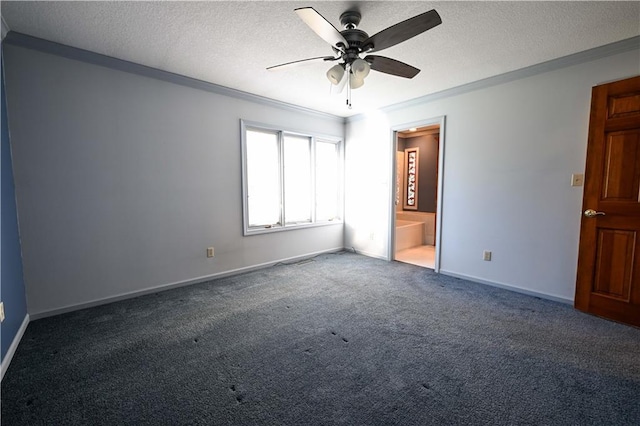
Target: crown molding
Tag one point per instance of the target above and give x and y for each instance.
(26, 41)
(589, 55)
(29, 42)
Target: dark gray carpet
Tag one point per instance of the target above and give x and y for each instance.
(341, 339)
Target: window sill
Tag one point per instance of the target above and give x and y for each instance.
(258, 231)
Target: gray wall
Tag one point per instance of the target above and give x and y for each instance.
(427, 169)
(123, 180)
(509, 152)
(12, 282)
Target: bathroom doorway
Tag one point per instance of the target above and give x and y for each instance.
(417, 202)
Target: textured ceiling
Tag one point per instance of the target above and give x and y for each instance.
(232, 43)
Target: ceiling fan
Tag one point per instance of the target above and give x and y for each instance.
(349, 44)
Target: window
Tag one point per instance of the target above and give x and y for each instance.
(290, 180)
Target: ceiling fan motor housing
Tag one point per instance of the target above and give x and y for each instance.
(354, 37)
(350, 19)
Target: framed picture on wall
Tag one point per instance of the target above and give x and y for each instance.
(411, 157)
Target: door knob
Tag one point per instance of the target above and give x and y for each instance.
(592, 213)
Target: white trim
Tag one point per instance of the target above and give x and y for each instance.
(440, 121)
(46, 46)
(177, 284)
(440, 193)
(589, 55)
(508, 287)
(369, 254)
(247, 230)
(14, 346)
(29, 42)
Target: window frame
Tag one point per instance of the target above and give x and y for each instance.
(314, 138)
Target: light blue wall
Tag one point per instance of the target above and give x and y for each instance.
(510, 149)
(12, 288)
(124, 178)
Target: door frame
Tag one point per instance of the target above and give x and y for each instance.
(393, 187)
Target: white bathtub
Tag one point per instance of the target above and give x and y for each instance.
(409, 234)
(429, 220)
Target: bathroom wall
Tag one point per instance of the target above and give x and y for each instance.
(427, 169)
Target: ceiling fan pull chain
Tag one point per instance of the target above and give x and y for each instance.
(348, 69)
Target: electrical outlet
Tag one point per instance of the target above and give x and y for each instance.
(210, 252)
(1, 311)
(577, 179)
(486, 255)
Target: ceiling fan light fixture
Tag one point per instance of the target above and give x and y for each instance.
(335, 74)
(360, 68)
(336, 89)
(355, 82)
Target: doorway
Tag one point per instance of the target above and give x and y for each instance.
(416, 216)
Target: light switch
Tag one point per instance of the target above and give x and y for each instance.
(577, 179)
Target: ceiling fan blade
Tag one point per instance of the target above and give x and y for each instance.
(391, 66)
(322, 27)
(402, 31)
(301, 62)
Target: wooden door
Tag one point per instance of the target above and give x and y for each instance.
(608, 282)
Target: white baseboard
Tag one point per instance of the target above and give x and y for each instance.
(14, 345)
(169, 286)
(508, 287)
(368, 254)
